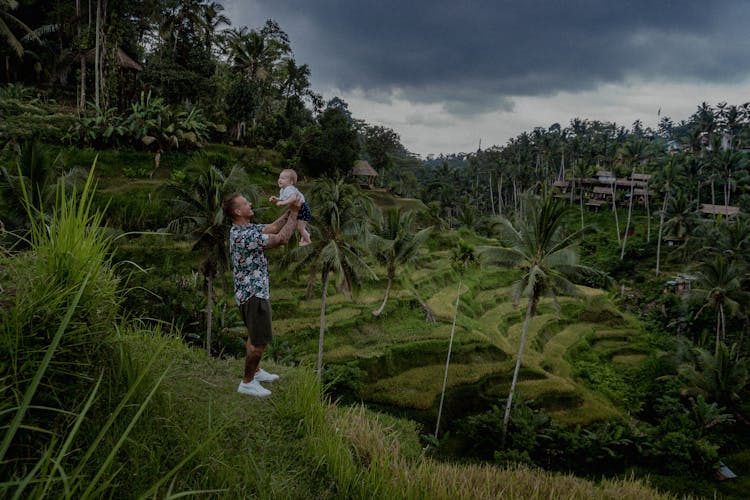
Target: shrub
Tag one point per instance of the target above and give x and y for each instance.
(344, 381)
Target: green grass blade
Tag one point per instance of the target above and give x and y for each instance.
(123, 437)
(176, 468)
(31, 390)
(111, 420)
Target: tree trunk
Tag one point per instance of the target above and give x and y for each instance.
(209, 313)
(322, 324)
(580, 203)
(648, 215)
(627, 225)
(698, 195)
(713, 193)
(310, 283)
(524, 331)
(727, 191)
(83, 81)
(379, 310)
(614, 209)
(500, 195)
(448, 359)
(97, 49)
(661, 228)
(492, 199)
(720, 327)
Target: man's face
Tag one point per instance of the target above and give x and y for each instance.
(284, 180)
(244, 208)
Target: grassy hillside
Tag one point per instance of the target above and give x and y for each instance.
(403, 356)
(296, 444)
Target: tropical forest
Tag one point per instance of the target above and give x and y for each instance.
(565, 315)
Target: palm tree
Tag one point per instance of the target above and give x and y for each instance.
(339, 243)
(198, 206)
(395, 244)
(212, 18)
(6, 21)
(39, 175)
(720, 377)
(632, 154)
(681, 219)
(580, 172)
(730, 166)
(255, 54)
(720, 287)
(548, 257)
(668, 177)
(462, 256)
(732, 238)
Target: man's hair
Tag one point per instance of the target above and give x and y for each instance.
(292, 174)
(229, 204)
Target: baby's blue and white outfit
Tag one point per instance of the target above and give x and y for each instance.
(304, 211)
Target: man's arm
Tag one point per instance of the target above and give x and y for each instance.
(281, 237)
(275, 226)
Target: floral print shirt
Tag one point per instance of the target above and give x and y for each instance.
(246, 244)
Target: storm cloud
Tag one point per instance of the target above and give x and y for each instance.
(466, 53)
(476, 58)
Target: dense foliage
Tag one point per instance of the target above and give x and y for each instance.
(184, 109)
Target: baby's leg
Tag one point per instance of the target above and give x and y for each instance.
(303, 233)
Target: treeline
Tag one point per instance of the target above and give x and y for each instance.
(162, 75)
(709, 150)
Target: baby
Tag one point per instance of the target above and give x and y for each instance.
(287, 179)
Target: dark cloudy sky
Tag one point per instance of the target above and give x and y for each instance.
(445, 74)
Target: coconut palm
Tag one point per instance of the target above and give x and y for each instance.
(720, 377)
(730, 167)
(199, 216)
(731, 238)
(339, 243)
(668, 177)
(681, 218)
(633, 153)
(462, 256)
(7, 20)
(538, 244)
(395, 244)
(720, 288)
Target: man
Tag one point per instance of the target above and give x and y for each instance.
(247, 245)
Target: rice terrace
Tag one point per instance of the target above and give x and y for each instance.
(564, 315)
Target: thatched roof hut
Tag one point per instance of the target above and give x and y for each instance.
(727, 211)
(124, 61)
(364, 169)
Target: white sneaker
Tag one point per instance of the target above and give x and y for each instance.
(253, 388)
(263, 376)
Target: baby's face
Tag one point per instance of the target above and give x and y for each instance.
(284, 181)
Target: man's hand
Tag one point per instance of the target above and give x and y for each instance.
(297, 202)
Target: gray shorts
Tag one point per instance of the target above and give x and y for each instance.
(256, 314)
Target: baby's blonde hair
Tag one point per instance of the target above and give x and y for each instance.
(292, 174)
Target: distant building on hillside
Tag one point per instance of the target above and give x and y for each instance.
(725, 210)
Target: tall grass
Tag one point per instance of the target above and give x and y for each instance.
(363, 458)
(68, 246)
(56, 336)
